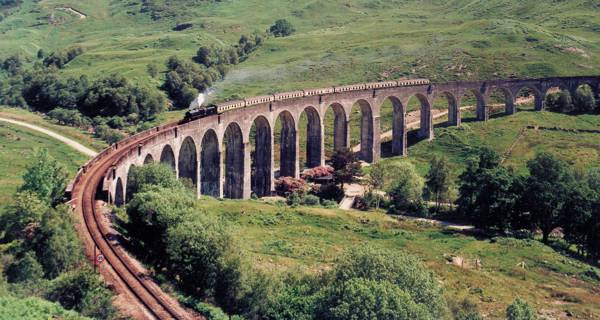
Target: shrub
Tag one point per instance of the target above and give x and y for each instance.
(329, 204)
(153, 174)
(360, 298)
(317, 172)
(26, 268)
(285, 186)
(198, 252)
(406, 192)
(83, 291)
(25, 211)
(520, 310)
(584, 100)
(330, 191)
(398, 268)
(282, 28)
(310, 200)
(45, 177)
(56, 243)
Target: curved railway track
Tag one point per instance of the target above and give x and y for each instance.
(130, 276)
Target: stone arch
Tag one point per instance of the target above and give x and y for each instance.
(119, 193)
(187, 162)
(148, 159)
(128, 187)
(537, 96)
(426, 117)
(262, 157)
(210, 165)
(339, 133)
(167, 157)
(504, 96)
(233, 162)
(366, 130)
(398, 124)
(314, 137)
(453, 107)
(481, 109)
(287, 145)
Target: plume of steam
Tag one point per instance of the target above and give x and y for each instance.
(197, 103)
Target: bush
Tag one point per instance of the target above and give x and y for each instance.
(330, 191)
(310, 200)
(45, 177)
(406, 192)
(360, 298)
(317, 172)
(198, 251)
(329, 204)
(584, 100)
(56, 242)
(26, 268)
(151, 212)
(24, 213)
(398, 268)
(152, 174)
(282, 28)
(520, 310)
(285, 186)
(83, 291)
(59, 59)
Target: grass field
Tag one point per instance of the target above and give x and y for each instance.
(17, 148)
(336, 42)
(581, 150)
(278, 238)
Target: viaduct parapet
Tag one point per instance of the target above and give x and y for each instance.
(216, 154)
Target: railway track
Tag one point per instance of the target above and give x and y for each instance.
(130, 276)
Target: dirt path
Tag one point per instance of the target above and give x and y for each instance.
(79, 14)
(71, 143)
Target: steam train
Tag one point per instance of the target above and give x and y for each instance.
(212, 109)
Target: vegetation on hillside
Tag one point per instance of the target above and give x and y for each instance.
(41, 256)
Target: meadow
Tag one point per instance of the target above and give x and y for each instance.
(278, 239)
(17, 149)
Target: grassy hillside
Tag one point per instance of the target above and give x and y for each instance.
(581, 150)
(17, 148)
(278, 238)
(340, 41)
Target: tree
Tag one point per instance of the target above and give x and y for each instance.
(360, 298)
(345, 165)
(584, 100)
(82, 290)
(21, 217)
(25, 268)
(406, 191)
(282, 28)
(151, 212)
(377, 179)
(152, 174)
(56, 243)
(395, 267)
(487, 192)
(198, 251)
(45, 177)
(520, 310)
(546, 193)
(438, 179)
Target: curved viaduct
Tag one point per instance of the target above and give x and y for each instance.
(215, 152)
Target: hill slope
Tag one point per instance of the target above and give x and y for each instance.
(338, 41)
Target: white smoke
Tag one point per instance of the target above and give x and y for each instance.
(202, 98)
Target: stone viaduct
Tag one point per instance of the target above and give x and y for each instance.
(215, 152)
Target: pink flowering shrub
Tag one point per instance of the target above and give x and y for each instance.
(288, 185)
(317, 172)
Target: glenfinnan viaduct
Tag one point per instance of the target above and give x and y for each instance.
(214, 151)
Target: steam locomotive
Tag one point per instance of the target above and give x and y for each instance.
(212, 109)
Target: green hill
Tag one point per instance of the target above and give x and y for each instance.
(339, 41)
